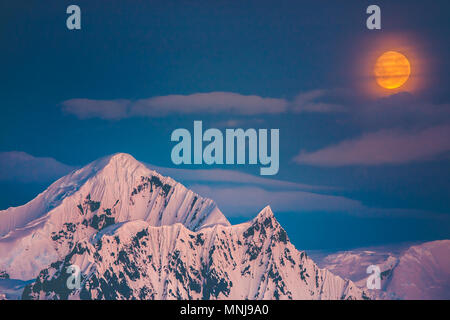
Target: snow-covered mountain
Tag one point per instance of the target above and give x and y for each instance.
(253, 260)
(137, 234)
(108, 191)
(419, 271)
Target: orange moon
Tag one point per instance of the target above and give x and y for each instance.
(392, 70)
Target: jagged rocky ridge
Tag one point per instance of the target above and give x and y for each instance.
(254, 260)
(138, 235)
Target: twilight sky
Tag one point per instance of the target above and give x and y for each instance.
(359, 166)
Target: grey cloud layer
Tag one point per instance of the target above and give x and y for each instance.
(206, 103)
(382, 147)
(21, 167)
(161, 106)
(234, 177)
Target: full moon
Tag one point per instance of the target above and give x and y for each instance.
(392, 70)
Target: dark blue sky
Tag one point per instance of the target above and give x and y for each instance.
(284, 50)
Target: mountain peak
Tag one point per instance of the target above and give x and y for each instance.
(108, 191)
(264, 214)
(122, 157)
(120, 169)
(265, 223)
(121, 160)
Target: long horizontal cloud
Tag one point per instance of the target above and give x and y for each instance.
(214, 102)
(220, 176)
(210, 103)
(103, 109)
(382, 147)
(161, 106)
(401, 110)
(246, 201)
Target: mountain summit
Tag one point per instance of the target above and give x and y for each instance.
(111, 190)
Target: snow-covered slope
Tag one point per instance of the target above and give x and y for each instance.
(253, 260)
(111, 190)
(420, 271)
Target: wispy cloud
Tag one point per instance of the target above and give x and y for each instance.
(401, 110)
(199, 103)
(213, 102)
(20, 167)
(103, 109)
(246, 201)
(161, 106)
(220, 176)
(312, 101)
(382, 147)
(241, 194)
